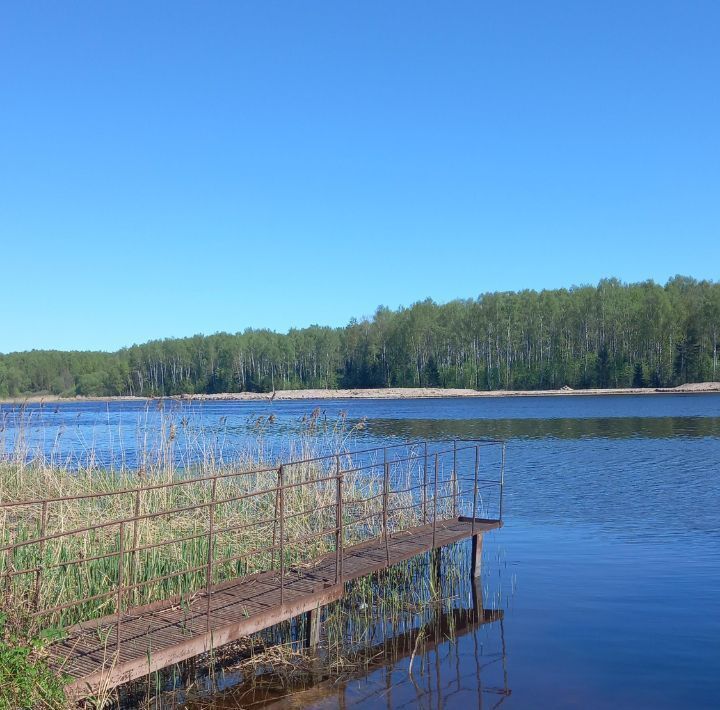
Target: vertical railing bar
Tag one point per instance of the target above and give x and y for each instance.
(386, 492)
(211, 551)
(134, 558)
(425, 484)
(341, 480)
(475, 487)
(435, 501)
(502, 479)
(120, 584)
(38, 574)
(338, 518)
(9, 564)
(454, 480)
(275, 525)
(281, 499)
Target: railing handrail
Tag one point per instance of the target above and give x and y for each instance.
(335, 476)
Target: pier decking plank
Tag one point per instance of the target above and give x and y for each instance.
(151, 638)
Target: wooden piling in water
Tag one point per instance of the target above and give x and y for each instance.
(312, 627)
(476, 556)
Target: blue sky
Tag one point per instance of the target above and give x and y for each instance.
(169, 168)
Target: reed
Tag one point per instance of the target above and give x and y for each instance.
(171, 505)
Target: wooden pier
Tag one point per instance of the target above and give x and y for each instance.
(445, 502)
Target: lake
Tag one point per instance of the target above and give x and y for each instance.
(607, 569)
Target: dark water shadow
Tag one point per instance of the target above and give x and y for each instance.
(570, 428)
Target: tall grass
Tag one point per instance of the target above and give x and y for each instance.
(82, 563)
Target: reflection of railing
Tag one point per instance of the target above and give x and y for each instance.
(444, 681)
(186, 535)
(431, 675)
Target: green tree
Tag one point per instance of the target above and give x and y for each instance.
(638, 376)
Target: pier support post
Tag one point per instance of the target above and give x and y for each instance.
(476, 557)
(477, 599)
(436, 567)
(312, 628)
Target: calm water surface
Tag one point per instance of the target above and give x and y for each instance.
(608, 567)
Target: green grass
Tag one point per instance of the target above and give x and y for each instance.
(26, 680)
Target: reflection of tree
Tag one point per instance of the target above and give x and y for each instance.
(606, 427)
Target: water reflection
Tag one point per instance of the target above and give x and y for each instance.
(129, 434)
(443, 646)
(449, 661)
(570, 428)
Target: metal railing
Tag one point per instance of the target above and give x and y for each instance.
(186, 535)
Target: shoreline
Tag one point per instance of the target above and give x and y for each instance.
(381, 393)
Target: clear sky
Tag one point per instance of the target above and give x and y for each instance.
(169, 168)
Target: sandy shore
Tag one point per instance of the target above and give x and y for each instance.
(430, 392)
(390, 393)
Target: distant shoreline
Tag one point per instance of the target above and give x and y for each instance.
(383, 393)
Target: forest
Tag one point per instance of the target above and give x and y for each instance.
(610, 335)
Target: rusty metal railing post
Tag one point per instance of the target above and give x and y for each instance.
(275, 525)
(9, 564)
(475, 488)
(120, 583)
(425, 484)
(454, 481)
(386, 496)
(211, 551)
(502, 479)
(135, 532)
(41, 555)
(338, 522)
(435, 500)
(281, 500)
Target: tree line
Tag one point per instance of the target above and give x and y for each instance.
(609, 335)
